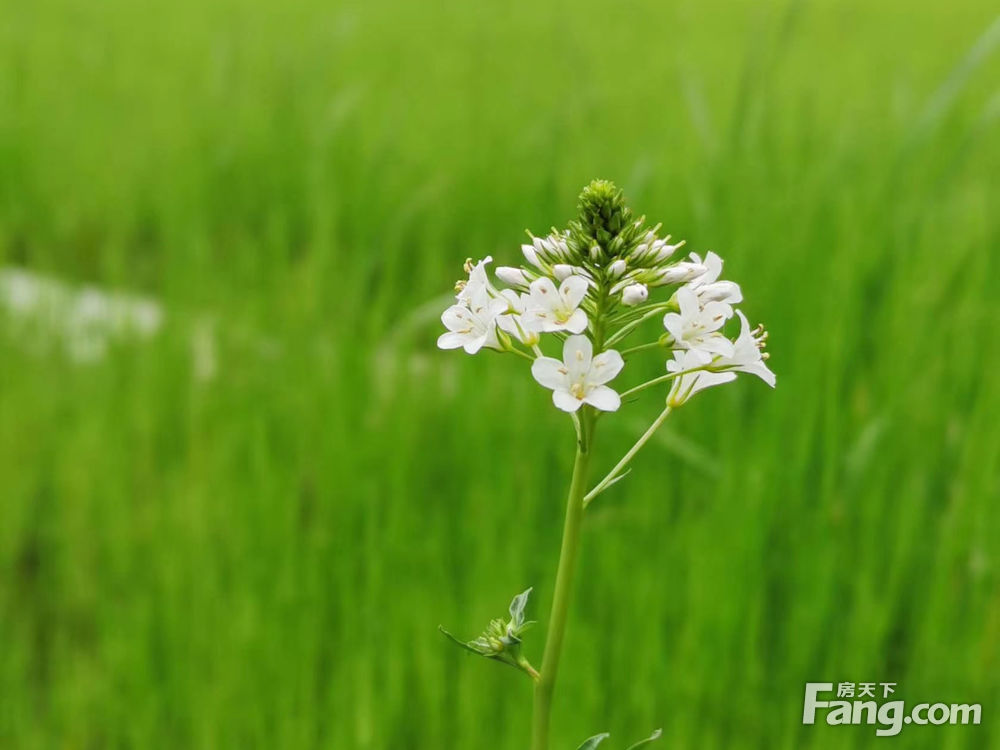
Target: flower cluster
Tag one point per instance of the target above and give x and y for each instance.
(590, 287)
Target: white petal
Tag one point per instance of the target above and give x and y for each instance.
(497, 306)
(763, 372)
(474, 345)
(744, 336)
(603, 398)
(605, 367)
(577, 322)
(688, 359)
(573, 290)
(709, 379)
(718, 313)
(549, 372)
(456, 318)
(577, 354)
(674, 324)
(688, 302)
(713, 268)
(714, 343)
(688, 385)
(544, 293)
(515, 301)
(535, 320)
(563, 400)
(450, 340)
(721, 291)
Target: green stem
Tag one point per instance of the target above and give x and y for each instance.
(656, 381)
(626, 329)
(620, 466)
(545, 685)
(642, 347)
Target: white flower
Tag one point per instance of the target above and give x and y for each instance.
(478, 282)
(685, 386)
(708, 287)
(511, 322)
(680, 273)
(747, 355)
(549, 309)
(634, 294)
(580, 378)
(697, 326)
(617, 268)
(473, 325)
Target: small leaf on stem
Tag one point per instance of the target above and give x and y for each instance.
(654, 736)
(594, 741)
(517, 606)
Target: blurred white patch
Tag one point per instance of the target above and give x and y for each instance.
(83, 321)
(203, 352)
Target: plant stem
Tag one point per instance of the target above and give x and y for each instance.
(643, 347)
(545, 685)
(604, 483)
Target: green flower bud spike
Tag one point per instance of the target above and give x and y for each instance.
(605, 227)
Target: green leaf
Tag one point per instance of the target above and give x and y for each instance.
(517, 606)
(594, 741)
(654, 736)
(458, 642)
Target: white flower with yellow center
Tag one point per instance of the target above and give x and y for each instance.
(697, 326)
(548, 309)
(580, 378)
(472, 326)
(512, 320)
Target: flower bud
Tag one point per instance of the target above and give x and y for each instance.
(617, 268)
(544, 247)
(531, 255)
(634, 294)
(512, 276)
(681, 272)
(662, 251)
(720, 291)
(563, 271)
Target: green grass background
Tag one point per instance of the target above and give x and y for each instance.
(262, 560)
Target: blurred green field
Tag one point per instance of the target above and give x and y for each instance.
(262, 559)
